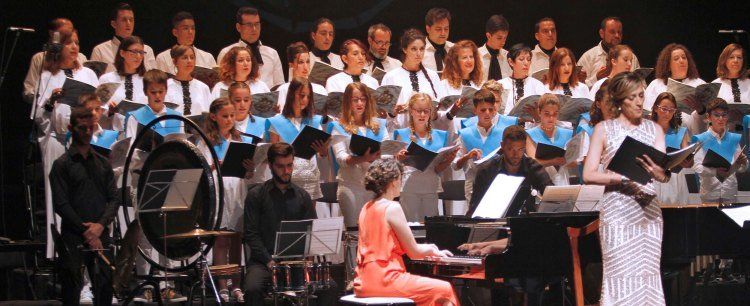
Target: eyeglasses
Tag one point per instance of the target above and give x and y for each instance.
(252, 25)
(720, 115)
(666, 109)
(421, 111)
(137, 52)
(380, 43)
(359, 99)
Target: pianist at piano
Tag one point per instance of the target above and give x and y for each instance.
(384, 237)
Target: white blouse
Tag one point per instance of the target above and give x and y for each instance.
(725, 92)
(57, 121)
(200, 96)
(349, 174)
(454, 91)
(339, 81)
(578, 91)
(256, 87)
(531, 86)
(400, 77)
(598, 85)
(139, 96)
(692, 121)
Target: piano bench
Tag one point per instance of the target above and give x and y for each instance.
(374, 301)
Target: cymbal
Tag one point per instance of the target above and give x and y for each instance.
(197, 233)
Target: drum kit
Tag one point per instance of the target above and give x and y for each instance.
(297, 281)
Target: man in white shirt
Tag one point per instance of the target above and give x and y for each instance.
(249, 25)
(183, 29)
(123, 21)
(610, 32)
(545, 34)
(35, 66)
(437, 24)
(322, 34)
(494, 58)
(379, 40)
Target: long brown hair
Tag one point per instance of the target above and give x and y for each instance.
(409, 36)
(53, 60)
(721, 66)
(452, 71)
(228, 67)
(662, 71)
(347, 116)
(601, 100)
(211, 128)
(555, 61)
(414, 98)
(295, 85)
(676, 120)
(120, 61)
(613, 54)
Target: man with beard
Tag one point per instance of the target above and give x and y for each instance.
(379, 40)
(266, 205)
(610, 31)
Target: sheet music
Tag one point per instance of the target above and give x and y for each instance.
(574, 147)
(119, 152)
(498, 197)
(261, 153)
(183, 187)
(590, 193)
(561, 193)
(486, 157)
(443, 152)
(739, 215)
(326, 236)
(391, 147)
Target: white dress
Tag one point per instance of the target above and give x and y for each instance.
(306, 173)
(578, 91)
(200, 96)
(235, 191)
(692, 121)
(139, 96)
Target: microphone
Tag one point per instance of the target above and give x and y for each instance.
(54, 46)
(732, 32)
(21, 29)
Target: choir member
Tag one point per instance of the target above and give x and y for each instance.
(297, 113)
(85, 197)
(385, 237)
(358, 116)
(719, 184)
(237, 66)
(494, 57)
(497, 90)
(479, 140)
(437, 24)
(129, 70)
(248, 124)
(322, 34)
(462, 68)
(664, 113)
(562, 78)
(191, 95)
(379, 40)
(155, 88)
(547, 132)
(248, 24)
(619, 59)
(354, 56)
(183, 29)
(602, 109)
(676, 62)
(37, 61)
(545, 34)
(298, 58)
(413, 76)
(123, 22)
(520, 84)
(628, 217)
(610, 32)
(50, 116)
(419, 193)
(731, 72)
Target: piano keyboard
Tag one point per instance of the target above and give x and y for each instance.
(458, 259)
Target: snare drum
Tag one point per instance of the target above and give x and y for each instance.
(320, 276)
(291, 276)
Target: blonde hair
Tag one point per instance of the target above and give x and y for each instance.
(347, 117)
(548, 99)
(420, 96)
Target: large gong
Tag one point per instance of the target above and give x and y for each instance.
(204, 210)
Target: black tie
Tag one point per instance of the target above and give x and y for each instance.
(414, 81)
(68, 73)
(186, 100)
(736, 90)
(466, 82)
(129, 87)
(255, 47)
(495, 73)
(566, 89)
(439, 55)
(518, 83)
(355, 78)
(378, 63)
(323, 55)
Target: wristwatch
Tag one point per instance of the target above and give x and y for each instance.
(624, 179)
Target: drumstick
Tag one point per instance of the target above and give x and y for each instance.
(106, 261)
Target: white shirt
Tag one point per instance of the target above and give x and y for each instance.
(139, 96)
(578, 91)
(270, 71)
(202, 58)
(200, 96)
(598, 85)
(284, 88)
(389, 64)
(349, 174)
(454, 91)
(339, 81)
(596, 58)
(429, 54)
(539, 59)
(57, 120)
(725, 91)
(400, 77)
(502, 58)
(531, 86)
(106, 51)
(335, 59)
(35, 67)
(711, 187)
(256, 87)
(692, 121)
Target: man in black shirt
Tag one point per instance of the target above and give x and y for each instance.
(266, 205)
(512, 162)
(85, 196)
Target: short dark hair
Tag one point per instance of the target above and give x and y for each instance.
(154, 76)
(120, 61)
(483, 95)
(603, 25)
(294, 49)
(78, 113)
(435, 14)
(375, 27)
(279, 149)
(517, 50)
(245, 10)
(514, 133)
(539, 23)
(716, 103)
(496, 23)
(122, 6)
(320, 21)
(180, 16)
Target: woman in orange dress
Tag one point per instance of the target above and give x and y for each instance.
(384, 237)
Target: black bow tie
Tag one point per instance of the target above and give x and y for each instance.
(255, 47)
(323, 55)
